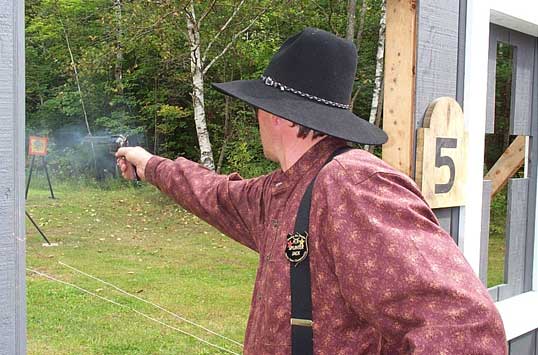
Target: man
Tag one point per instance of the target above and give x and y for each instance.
(371, 271)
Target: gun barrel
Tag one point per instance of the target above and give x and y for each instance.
(114, 142)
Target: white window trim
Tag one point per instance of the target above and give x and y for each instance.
(518, 315)
(519, 15)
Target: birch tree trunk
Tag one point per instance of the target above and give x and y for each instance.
(379, 113)
(351, 9)
(199, 68)
(118, 68)
(379, 63)
(358, 41)
(193, 32)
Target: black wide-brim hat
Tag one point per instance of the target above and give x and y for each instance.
(309, 81)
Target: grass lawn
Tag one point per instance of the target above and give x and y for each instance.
(497, 242)
(140, 241)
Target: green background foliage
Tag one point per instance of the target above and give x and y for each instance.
(153, 98)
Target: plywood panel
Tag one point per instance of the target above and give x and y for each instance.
(444, 216)
(522, 93)
(440, 49)
(516, 235)
(441, 154)
(484, 234)
(496, 34)
(523, 64)
(532, 168)
(437, 53)
(460, 81)
(494, 293)
(524, 344)
(536, 342)
(398, 103)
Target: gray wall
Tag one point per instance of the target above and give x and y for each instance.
(440, 68)
(12, 234)
(526, 344)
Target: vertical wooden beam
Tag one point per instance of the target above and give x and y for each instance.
(399, 100)
(516, 237)
(12, 234)
(484, 234)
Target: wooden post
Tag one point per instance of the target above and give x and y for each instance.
(399, 107)
(12, 234)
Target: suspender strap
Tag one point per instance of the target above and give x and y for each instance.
(301, 294)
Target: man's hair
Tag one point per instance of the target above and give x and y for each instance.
(304, 131)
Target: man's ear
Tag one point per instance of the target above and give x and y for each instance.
(275, 120)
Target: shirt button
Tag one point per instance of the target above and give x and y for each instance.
(274, 222)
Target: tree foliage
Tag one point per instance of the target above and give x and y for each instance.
(153, 99)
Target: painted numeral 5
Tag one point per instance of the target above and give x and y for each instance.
(443, 160)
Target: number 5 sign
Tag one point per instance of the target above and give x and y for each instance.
(442, 154)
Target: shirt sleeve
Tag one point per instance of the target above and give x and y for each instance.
(402, 273)
(229, 203)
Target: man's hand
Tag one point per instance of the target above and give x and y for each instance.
(129, 158)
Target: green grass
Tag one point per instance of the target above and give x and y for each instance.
(142, 242)
(497, 244)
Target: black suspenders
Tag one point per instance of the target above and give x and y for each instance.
(301, 295)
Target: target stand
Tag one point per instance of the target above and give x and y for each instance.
(37, 146)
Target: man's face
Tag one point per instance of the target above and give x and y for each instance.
(266, 134)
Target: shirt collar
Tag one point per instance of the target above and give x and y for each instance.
(308, 164)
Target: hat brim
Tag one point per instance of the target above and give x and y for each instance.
(334, 121)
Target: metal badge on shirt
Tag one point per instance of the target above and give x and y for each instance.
(297, 247)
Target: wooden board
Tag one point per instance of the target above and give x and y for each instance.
(12, 239)
(523, 64)
(398, 103)
(441, 155)
(524, 345)
(437, 53)
(507, 165)
(521, 110)
(439, 64)
(496, 34)
(516, 237)
(484, 233)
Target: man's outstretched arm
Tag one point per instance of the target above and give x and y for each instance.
(228, 202)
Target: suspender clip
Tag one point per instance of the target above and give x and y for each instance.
(301, 322)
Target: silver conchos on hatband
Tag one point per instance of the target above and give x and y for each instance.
(267, 80)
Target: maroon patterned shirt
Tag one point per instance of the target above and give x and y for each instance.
(386, 279)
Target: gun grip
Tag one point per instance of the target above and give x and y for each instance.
(137, 178)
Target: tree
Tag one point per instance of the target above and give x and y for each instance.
(378, 81)
(133, 60)
(200, 64)
(357, 38)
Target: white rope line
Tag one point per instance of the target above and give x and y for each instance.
(132, 309)
(150, 303)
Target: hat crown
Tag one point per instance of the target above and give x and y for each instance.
(318, 63)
